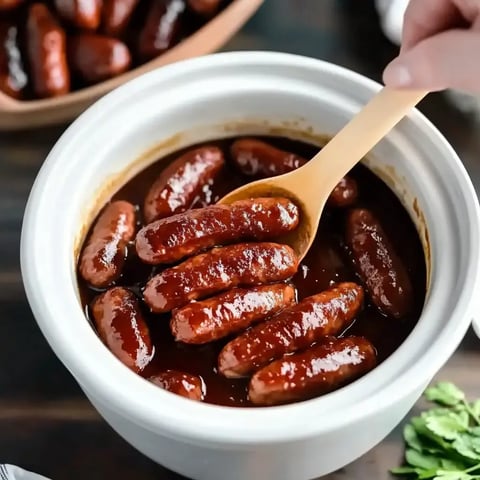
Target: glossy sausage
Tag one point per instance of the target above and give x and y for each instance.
(104, 254)
(96, 57)
(320, 369)
(7, 5)
(84, 14)
(161, 29)
(259, 159)
(116, 15)
(13, 78)
(296, 328)
(230, 312)
(378, 265)
(121, 326)
(178, 185)
(345, 193)
(206, 8)
(173, 238)
(180, 383)
(47, 53)
(217, 270)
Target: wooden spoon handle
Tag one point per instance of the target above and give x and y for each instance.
(362, 133)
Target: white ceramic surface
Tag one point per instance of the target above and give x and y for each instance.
(222, 95)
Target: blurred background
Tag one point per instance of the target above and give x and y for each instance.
(46, 424)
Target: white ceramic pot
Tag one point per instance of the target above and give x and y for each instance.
(212, 97)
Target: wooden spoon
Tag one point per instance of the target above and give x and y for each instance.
(310, 185)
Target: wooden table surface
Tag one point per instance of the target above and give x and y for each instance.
(46, 424)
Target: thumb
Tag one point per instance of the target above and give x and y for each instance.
(447, 60)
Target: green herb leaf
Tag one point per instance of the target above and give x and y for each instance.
(467, 446)
(419, 424)
(447, 425)
(438, 451)
(452, 476)
(475, 442)
(427, 474)
(421, 460)
(475, 407)
(411, 438)
(443, 443)
(403, 470)
(420, 472)
(449, 464)
(445, 393)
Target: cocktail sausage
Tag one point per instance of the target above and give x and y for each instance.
(121, 326)
(178, 185)
(320, 369)
(104, 253)
(378, 265)
(219, 269)
(295, 328)
(228, 313)
(173, 238)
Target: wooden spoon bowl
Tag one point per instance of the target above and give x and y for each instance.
(310, 185)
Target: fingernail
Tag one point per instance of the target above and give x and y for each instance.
(397, 75)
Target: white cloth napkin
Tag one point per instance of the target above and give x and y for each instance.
(11, 472)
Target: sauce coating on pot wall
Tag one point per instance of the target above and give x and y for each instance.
(327, 263)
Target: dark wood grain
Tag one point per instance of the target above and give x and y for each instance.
(46, 424)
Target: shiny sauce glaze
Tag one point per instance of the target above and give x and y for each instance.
(328, 262)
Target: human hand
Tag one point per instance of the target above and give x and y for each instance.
(440, 47)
